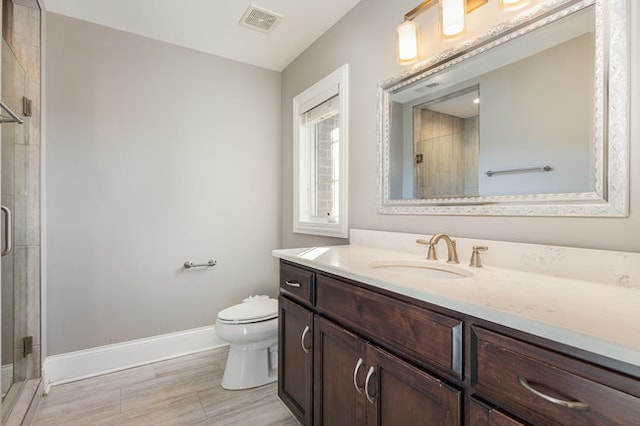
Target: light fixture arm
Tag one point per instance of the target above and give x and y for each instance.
(470, 6)
(426, 4)
(452, 18)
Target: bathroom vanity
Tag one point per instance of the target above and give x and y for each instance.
(374, 336)
(373, 333)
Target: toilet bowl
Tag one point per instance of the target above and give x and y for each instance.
(251, 328)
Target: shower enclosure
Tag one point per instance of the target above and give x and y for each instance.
(20, 196)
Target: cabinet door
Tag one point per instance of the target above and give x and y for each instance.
(339, 375)
(482, 415)
(399, 393)
(295, 360)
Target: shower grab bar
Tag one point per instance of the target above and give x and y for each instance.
(13, 116)
(7, 231)
(546, 168)
(189, 264)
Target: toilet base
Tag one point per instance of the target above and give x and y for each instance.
(249, 366)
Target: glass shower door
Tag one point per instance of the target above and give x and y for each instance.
(14, 366)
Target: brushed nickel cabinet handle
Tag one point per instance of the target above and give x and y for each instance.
(355, 375)
(366, 385)
(304, 335)
(292, 283)
(575, 405)
(7, 231)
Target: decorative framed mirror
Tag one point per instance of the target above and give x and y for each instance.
(530, 118)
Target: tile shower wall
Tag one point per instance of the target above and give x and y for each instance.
(444, 147)
(13, 81)
(21, 181)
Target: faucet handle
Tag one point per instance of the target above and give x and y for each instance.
(431, 253)
(475, 256)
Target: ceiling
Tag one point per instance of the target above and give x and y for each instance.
(212, 26)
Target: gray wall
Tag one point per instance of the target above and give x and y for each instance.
(155, 154)
(516, 100)
(365, 39)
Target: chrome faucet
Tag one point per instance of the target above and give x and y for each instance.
(451, 247)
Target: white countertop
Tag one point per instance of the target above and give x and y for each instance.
(600, 318)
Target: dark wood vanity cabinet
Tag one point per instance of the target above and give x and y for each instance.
(404, 394)
(295, 337)
(358, 383)
(332, 371)
(417, 333)
(350, 354)
(548, 388)
(298, 284)
(481, 414)
(340, 363)
(295, 359)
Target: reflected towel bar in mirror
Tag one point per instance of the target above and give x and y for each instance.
(13, 117)
(520, 170)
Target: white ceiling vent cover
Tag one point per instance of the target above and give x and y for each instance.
(260, 19)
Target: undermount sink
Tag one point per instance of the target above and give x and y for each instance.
(422, 268)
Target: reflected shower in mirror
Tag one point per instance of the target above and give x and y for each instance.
(443, 134)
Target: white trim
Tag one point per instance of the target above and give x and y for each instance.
(72, 366)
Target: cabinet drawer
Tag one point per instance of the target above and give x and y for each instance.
(547, 388)
(482, 415)
(297, 283)
(415, 332)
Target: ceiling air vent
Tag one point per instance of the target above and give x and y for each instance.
(260, 19)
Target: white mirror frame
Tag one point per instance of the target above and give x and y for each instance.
(335, 83)
(611, 120)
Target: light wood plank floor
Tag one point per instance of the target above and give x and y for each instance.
(181, 391)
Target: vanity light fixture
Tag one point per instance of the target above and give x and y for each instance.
(407, 42)
(508, 5)
(452, 20)
(452, 17)
(408, 33)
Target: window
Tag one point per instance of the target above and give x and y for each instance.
(320, 157)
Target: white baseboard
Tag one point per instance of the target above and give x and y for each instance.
(72, 366)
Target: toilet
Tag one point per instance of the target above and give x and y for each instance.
(251, 328)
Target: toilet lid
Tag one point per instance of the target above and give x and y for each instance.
(251, 311)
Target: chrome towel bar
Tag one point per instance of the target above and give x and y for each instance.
(546, 168)
(189, 264)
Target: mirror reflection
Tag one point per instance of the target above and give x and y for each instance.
(515, 120)
(445, 143)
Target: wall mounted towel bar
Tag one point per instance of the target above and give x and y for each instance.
(13, 117)
(189, 264)
(546, 168)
